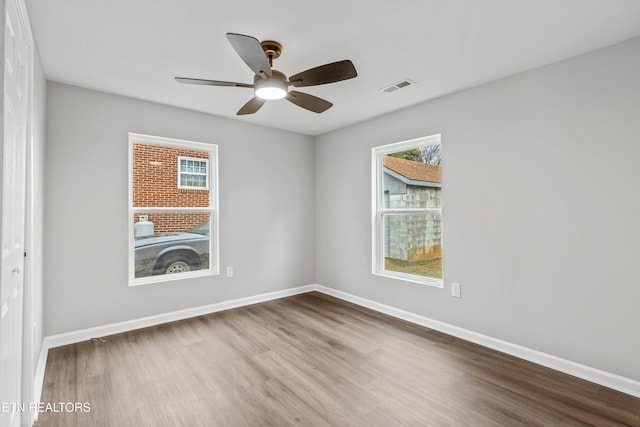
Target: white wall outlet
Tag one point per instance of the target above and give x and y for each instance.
(229, 271)
(455, 289)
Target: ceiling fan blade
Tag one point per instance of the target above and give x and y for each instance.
(328, 73)
(309, 102)
(210, 82)
(252, 106)
(251, 53)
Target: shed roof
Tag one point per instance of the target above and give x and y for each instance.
(415, 171)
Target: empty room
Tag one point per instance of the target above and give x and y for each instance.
(339, 213)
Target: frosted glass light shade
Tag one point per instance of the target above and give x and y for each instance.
(270, 89)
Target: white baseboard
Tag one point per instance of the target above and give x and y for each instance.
(597, 376)
(607, 379)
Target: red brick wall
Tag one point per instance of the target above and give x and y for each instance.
(173, 222)
(155, 184)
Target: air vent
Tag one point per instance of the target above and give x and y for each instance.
(399, 85)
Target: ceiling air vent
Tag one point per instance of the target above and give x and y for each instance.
(399, 85)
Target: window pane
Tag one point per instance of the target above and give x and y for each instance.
(171, 243)
(158, 172)
(411, 178)
(191, 180)
(413, 244)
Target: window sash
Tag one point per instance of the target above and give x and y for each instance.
(379, 254)
(141, 273)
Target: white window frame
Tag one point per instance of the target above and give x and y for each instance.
(378, 210)
(213, 209)
(180, 173)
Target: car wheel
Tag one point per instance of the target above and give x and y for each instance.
(175, 264)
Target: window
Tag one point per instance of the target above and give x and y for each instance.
(193, 173)
(407, 211)
(173, 230)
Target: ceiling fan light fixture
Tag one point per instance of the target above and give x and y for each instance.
(270, 89)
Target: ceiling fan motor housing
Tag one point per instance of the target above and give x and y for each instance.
(271, 88)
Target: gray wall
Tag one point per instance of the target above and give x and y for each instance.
(266, 179)
(540, 201)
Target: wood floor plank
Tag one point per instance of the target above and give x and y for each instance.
(60, 387)
(317, 361)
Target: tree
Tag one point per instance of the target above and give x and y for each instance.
(431, 154)
(425, 154)
(413, 155)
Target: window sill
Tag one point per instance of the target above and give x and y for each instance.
(172, 277)
(189, 189)
(412, 278)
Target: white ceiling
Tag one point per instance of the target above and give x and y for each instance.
(136, 47)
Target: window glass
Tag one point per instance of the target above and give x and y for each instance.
(413, 244)
(171, 242)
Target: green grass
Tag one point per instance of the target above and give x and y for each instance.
(428, 268)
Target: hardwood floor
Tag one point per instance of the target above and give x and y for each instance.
(313, 360)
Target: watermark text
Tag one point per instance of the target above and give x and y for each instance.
(10, 407)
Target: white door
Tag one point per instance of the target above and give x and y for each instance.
(16, 51)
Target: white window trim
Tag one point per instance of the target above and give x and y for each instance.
(377, 210)
(214, 235)
(180, 173)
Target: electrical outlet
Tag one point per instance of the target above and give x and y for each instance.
(229, 271)
(455, 289)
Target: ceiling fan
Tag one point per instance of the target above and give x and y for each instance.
(269, 83)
